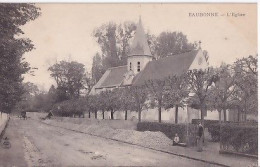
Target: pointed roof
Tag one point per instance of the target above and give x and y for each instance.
(140, 45)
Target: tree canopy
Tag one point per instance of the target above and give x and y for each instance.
(69, 77)
(12, 48)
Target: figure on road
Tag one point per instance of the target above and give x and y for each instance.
(200, 137)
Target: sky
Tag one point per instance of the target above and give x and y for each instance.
(64, 31)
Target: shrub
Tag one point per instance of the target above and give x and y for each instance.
(171, 129)
(207, 123)
(70, 108)
(214, 131)
(239, 138)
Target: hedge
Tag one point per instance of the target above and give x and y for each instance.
(239, 138)
(214, 131)
(69, 108)
(207, 123)
(171, 129)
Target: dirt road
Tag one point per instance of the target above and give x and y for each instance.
(45, 145)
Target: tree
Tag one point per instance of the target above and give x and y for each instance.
(199, 82)
(88, 82)
(102, 103)
(97, 68)
(113, 40)
(171, 43)
(12, 48)
(125, 100)
(156, 90)
(52, 94)
(69, 77)
(221, 95)
(27, 100)
(175, 93)
(111, 99)
(140, 96)
(92, 103)
(246, 72)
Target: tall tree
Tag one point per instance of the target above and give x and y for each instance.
(246, 72)
(113, 40)
(12, 48)
(92, 103)
(140, 96)
(111, 100)
(125, 100)
(27, 100)
(69, 77)
(97, 68)
(156, 89)
(221, 96)
(171, 43)
(199, 83)
(102, 103)
(176, 92)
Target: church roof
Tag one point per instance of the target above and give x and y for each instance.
(164, 67)
(140, 45)
(157, 69)
(114, 77)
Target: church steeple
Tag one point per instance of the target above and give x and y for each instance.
(140, 45)
(140, 53)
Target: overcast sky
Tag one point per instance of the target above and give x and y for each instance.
(64, 31)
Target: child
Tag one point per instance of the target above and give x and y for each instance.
(176, 140)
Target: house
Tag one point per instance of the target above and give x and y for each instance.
(142, 66)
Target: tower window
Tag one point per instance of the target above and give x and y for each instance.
(138, 66)
(130, 65)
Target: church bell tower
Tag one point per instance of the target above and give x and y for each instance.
(140, 53)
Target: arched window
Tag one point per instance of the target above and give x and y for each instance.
(138, 66)
(130, 65)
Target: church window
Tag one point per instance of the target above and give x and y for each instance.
(130, 66)
(138, 66)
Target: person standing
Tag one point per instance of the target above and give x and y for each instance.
(200, 137)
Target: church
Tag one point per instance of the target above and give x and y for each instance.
(142, 66)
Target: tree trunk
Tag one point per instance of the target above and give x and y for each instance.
(125, 114)
(202, 113)
(89, 114)
(112, 114)
(225, 114)
(103, 114)
(160, 113)
(139, 115)
(160, 110)
(219, 116)
(176, 114)
(238, 115)
(96, 114)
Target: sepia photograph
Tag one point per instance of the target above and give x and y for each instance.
(129, 84)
